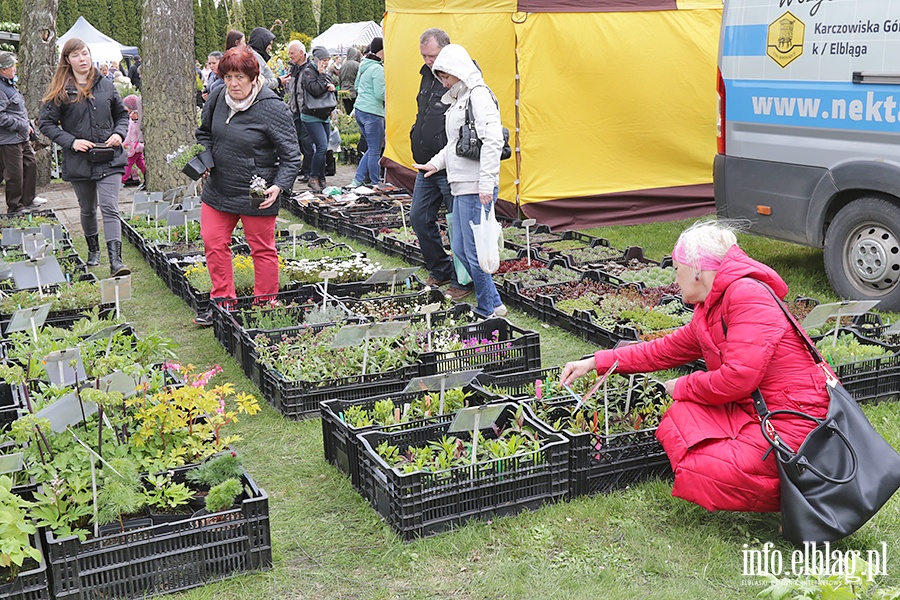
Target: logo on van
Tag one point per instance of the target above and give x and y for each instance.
(785, 40)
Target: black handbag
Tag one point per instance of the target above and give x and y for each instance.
(841, 474)
(101, 153)
(469, 144)
(320, 106)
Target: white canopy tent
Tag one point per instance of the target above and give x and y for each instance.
(103, 48)
(340, 37)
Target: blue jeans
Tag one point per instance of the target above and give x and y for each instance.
(306, 145)
(372, 128)
(468, 208)
(428, 196)
(319, 133)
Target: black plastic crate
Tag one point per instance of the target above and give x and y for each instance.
(31, 583)
(300, 399)
(165, 558)
(340, 441)
(422, 503)
(226, 325)
(600, 463)
(872, 379)
(359, 289)
(515, 350)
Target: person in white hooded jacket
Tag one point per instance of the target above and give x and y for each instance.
(473, 183)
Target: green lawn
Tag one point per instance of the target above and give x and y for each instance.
(638, 543)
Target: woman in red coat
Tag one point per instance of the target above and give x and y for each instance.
(711, 432)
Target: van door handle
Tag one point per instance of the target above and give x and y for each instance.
(876, 77)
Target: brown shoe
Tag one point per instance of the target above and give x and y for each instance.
(434, 282)
(315, 184)
(455, 293)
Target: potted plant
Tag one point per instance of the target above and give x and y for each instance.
(257, 191)
(187, 158)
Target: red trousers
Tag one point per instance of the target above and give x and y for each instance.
(216, 228)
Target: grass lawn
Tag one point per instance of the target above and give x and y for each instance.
(637, 543)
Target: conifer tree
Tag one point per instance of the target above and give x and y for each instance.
(344, 11)
(209, 24)
(328, 15)
(378, 13)
(305, 20)
(199, 32)
(361, 10)
(285, 12)
(222, 25)
(98, 15)
(6, 11)
(118, 24)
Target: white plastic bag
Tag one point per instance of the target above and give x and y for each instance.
(334, 140)
(488, 236)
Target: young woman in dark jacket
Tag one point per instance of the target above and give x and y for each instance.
(250, 132)
(83, 110)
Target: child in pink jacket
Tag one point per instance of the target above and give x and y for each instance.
(134, 140)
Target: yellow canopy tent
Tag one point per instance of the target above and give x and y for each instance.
(612, 104)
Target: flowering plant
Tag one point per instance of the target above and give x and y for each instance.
(184, 424)
(183, 154)
(258, 186)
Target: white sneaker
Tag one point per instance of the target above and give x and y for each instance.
(501, 311)
(38, 201)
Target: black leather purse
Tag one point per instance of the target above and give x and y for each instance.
(469, 144)
(101, 153)
(841, 474)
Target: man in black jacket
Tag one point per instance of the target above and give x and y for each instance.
(428, 137)
(134, 73)
(293, 84)
(16, 156)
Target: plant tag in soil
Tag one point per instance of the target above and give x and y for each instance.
(156, 209)
(34, 245)
(485, 416)
(391, 275)
(355, 335)
(429, 308)
(12, 463)
(37, 273)
(115, 289)
(295, 229)
(25, 319)
(52, 232)
(105, 333)
(190, 202)
(66, 411)
(12, 236)
(528, 223)
(445, 381)
(819, 315)
(117, 381)
(64, 367)
(327, 275)
(596, 386)
(5, 271)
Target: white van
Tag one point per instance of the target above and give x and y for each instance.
(809, 133)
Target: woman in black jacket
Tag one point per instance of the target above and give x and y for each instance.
(83, 112)
(250, 132)
(318, 91)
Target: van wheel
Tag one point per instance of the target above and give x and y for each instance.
(862, 252)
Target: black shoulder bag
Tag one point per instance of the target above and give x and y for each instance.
(841, 474)
(469, 144)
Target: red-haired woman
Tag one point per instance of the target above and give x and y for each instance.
(250, 133)
(82, 110)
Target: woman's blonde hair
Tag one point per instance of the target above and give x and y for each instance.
(705, 239)
(63, 75)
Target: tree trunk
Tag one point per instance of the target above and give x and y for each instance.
(168, 87)
(37, 62)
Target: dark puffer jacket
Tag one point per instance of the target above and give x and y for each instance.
(428, 134)
(258, 141)
(93, 119)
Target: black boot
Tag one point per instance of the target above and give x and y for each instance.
(116, 266)
(93, 242)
